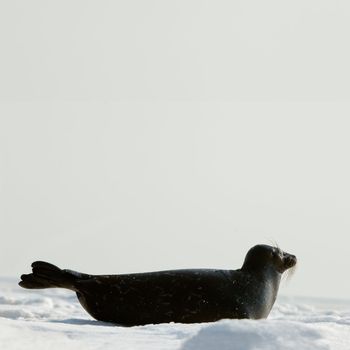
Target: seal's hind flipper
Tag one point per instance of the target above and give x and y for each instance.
(46, 275)
(33, 282)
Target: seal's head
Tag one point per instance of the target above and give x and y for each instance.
(264, 257)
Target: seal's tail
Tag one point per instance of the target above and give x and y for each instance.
(46, 275)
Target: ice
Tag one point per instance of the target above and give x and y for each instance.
(53, 319)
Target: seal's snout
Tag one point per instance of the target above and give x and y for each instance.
(289, 260)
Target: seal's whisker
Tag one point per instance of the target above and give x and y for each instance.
(277, 245)
(274, 243)
(290, 273)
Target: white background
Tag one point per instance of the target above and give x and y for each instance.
(147, 135)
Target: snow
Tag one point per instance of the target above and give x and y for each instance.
(53, 319)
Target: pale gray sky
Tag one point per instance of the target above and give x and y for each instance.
(148, 135)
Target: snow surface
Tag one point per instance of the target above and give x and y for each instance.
(53, 319)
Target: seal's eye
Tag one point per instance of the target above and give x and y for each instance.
(275, 254)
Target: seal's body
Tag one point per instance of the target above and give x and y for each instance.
(195, 295)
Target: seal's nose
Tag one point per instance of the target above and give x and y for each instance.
(290, 260)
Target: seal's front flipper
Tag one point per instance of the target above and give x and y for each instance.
(46, 275)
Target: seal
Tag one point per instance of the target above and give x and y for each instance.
(186, 296)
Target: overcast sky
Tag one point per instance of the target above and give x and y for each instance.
(150, 135)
